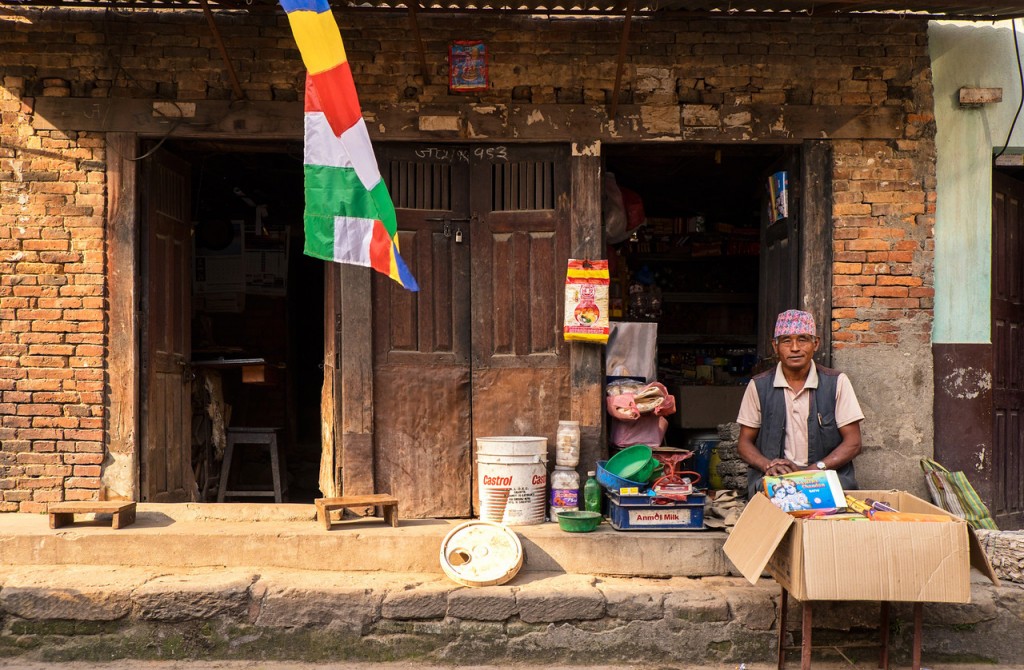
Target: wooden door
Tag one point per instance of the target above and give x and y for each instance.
(1008, 350)
(421, 374)
(166, 380)
(520, 201)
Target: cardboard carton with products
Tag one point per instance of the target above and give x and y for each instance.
(892, 561)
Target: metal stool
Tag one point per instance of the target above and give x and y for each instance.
(251, 436)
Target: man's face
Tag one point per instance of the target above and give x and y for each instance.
(796, 351)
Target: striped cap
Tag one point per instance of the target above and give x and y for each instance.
(795, 322)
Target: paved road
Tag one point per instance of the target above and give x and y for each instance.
(8, 664)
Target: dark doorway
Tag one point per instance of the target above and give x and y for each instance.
(693, 260)
(1008, 347)
(256, 318)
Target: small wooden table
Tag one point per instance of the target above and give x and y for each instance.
(63, 514)
(388, 505)
(806, 625)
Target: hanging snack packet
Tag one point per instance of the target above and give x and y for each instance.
(586, 301)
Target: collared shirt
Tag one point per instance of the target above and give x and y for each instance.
(798, 406)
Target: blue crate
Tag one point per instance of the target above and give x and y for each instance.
(641, 515)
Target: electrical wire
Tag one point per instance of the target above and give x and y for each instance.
(1020, 75)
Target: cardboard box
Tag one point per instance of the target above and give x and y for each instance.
(707, 406)
(890, 561)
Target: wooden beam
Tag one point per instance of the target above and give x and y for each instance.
(123, 291)
(269, 120)
(356, 393)
(415, 25)
(235, 86)
(623, 43)
(586, 361)
(816, 240)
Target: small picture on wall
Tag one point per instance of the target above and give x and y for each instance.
(467, 66)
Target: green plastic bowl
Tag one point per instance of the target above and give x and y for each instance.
(632, 463)
(579, 522)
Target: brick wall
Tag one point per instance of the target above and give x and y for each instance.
(708, 80)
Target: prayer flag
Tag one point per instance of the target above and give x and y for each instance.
(349, 215)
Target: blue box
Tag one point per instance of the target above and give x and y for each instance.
(635, 513)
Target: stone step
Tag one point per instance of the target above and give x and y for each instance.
(196, 535)
(62, 613)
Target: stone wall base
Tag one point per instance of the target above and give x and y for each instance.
(102, 613)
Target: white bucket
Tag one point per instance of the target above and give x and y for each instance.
(512, 477)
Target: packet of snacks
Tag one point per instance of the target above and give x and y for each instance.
(586, 301)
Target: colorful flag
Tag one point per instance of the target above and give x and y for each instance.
(349, 215)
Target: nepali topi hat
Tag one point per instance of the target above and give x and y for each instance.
(795, 322)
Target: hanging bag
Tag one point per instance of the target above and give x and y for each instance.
(952, 492)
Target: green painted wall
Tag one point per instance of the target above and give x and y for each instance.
(982, 55)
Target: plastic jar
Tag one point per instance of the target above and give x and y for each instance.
(567, 444)
(565, 490)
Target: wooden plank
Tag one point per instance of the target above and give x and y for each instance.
(123, 287)
(816, 245)
(586, 362)
(521, 123)
(356, 384)
(204, 118)
(330, 404)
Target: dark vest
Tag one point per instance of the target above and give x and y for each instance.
(822, 436)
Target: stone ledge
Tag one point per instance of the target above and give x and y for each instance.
(63, 613)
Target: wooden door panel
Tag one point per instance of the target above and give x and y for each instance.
(521, 231)
(167, 440)
(421, 396)
(1008, 350)
(422, 448)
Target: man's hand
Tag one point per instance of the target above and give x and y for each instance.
(781, 466)
(748, 451)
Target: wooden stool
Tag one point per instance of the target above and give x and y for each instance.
(388, 505)
(63, 514)
(251, 436)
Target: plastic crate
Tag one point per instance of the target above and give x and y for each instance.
(635, 513)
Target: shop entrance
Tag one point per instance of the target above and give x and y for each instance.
(718, 240)
(233, 321)
(478, 351)
(1008, 347)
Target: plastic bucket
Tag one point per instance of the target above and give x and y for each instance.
(512, 478)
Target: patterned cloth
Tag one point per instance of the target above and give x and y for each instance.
(795, 322)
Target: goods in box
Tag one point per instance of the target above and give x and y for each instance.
(893, 561)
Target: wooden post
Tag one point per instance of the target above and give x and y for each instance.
(354, 300)
(124, 285)
(586, 361)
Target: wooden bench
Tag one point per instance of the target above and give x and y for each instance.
(388, 505)
(63, 514)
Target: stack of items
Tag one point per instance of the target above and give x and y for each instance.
(731, 468)
(646, 494)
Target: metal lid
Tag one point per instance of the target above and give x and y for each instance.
(481, 553)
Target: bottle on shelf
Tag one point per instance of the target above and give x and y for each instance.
(592, 493)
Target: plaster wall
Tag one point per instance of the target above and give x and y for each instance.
(973, 55)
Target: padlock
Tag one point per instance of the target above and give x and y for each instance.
(458, 236)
